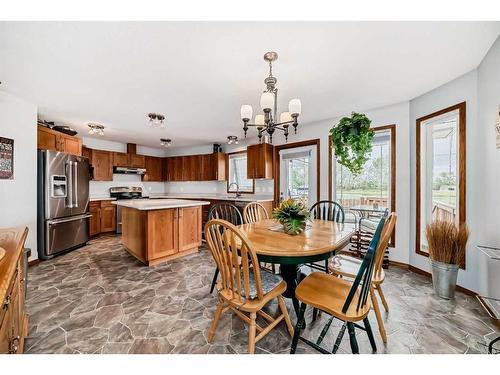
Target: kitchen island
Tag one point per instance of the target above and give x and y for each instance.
(158, 230)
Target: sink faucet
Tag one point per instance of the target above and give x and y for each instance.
(238, 194)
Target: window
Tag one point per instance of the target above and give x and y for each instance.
(237, 167)
(375, 186)
(440, 170)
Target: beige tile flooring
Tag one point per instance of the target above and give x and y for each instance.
(99, 299)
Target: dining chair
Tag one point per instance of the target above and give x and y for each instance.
(254, 212)
(348, 267)
(228, 212)
(243, 288)
(344, 300)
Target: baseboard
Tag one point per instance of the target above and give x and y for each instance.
(33, 262)
(419, 271)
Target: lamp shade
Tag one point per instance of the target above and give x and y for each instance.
(267, 101)
(295, 107)
(246, 112)
(285, 117)
(259, 120)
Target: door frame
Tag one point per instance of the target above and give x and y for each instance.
(285, 146)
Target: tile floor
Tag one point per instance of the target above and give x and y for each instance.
(99, 299)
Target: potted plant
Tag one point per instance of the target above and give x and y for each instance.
(293, 215)
(352, 141)
(446, 253)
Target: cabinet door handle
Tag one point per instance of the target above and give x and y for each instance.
(6, 302)
(14, 345)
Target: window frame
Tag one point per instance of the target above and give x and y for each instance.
(228, 182)
(461, 161)
(392, 157)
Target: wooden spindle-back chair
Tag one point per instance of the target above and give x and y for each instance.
(254, 212)
(242, 288)
(228, 212)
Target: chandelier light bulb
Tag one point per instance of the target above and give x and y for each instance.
(285, 117)
(267, 101)
(260, 120)
(246, 112)
(295, 107)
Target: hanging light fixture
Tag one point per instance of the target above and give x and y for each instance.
(269, 122)
(96, 129)
(232, 139)
(165, 142)
(156, 120)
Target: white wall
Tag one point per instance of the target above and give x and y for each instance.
(18, 196)
(459, 90)
(488, 166)
(101, 188)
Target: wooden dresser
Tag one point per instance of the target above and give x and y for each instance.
(13, 318)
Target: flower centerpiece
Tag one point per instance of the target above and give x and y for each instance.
(293, 215)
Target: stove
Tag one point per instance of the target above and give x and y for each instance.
(124, 192)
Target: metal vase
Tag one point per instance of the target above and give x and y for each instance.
(444, 279)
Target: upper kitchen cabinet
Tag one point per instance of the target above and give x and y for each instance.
(260, 161)
(208, 167)
(153, 169)
(213, 167)
(49, 139)
(102, 162)
(136, 161)
(120, 159)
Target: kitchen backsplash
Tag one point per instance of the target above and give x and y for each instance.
(101, 188)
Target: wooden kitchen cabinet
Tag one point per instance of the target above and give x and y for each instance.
(120, 159)
(153, 169)
(136, 161)
(87, 152)
(162, 233)
(103, 217)
(213, 167)
(48, 139)
(102, 162)
(207, 167)
(189, 227)
(260, 161)
(13, 317)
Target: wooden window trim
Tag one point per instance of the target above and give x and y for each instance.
(228, 176)
(462, 115)
(277, 149)
(392, 128)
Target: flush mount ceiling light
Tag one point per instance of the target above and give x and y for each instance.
(165, 142)
(269, 121)
(232, 139)
(97, 129)
(156, 120)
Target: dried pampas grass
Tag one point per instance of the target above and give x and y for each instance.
(447, 242)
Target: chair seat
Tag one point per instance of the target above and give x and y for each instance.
(329, 293)
(349, 266)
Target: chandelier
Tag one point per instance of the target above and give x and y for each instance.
(268, 122)
(156, 120)
(97, 129)
(165, 142)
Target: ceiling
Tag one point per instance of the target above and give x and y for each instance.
(199, 73)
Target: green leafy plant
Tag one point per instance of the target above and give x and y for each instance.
(292, 215)
(352, 141)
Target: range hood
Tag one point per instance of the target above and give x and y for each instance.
(129, 170)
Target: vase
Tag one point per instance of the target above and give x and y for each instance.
(293, 231)
(444, 279)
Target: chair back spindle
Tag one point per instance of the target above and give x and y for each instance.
(365, 273)
(254, 212)
(236, 260)
(226, 211)
(328, 210)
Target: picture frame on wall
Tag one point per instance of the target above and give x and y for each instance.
(6, 158)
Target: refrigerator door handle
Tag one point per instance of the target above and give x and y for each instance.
(75, 184)
(67, 220)
(69, 174)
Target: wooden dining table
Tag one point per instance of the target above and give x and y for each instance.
(318, 242)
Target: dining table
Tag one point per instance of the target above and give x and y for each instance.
(320, 240)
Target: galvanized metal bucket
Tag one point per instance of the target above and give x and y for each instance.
(444, 279)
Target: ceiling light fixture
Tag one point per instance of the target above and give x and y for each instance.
(96, 129)
(156, 120)
(269, 121)
(232, 139)
(165, 142)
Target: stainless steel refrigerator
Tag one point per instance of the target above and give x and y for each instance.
(63, 199)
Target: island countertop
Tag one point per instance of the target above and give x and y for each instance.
(158, 204)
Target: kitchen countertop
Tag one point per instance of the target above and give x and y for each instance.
(222, 197)
(157, 204)
(101, 198)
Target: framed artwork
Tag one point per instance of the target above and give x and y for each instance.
(6, 158)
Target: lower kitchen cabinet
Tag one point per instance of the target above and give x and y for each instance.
(103, 217)
(13, 317)
(189, 227)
